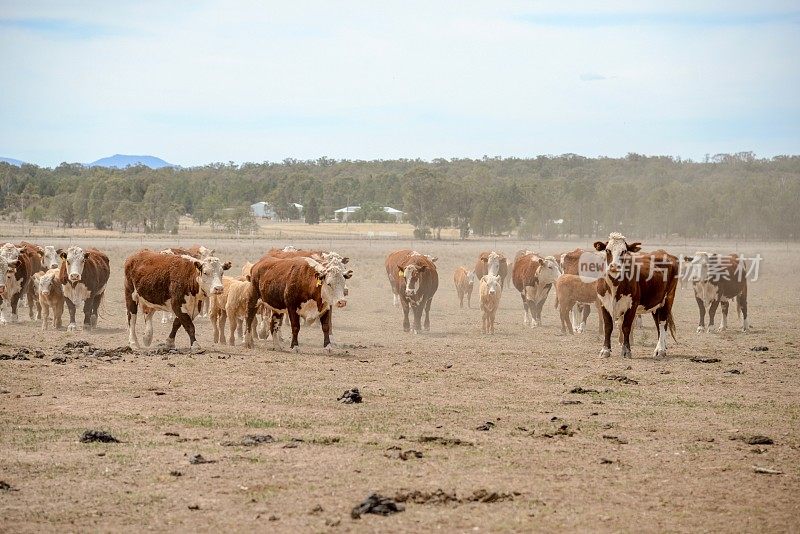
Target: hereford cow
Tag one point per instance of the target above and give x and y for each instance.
(533, 276)
(198, 252)
(490, 292)
(179, 284)
(36, 255)
(84, 276)
(571, 290)
(50, 295)
(7, 279)
(414, 281)
(635, 284)
(50, 258)
(491, 262)
(22, 260)
(464, 281)
(299, 287)
(717, 280)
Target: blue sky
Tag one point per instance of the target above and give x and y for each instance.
(201, 81)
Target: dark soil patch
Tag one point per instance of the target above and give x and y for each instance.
(198, 459)
(376, 504)
(756, 439)
(616, 439)
(485, 427)
(449, 442)
(440, 496)
(760, 348)
(621, 378)
(5, 486)
(97, 436)
(351, 396)
(249, 440)
(398, 453)
(705, 360)
(581, 391)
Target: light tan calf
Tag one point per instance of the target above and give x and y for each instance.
(236, 308)
(51, 296)
(464, 281)
(572, 290)
(216, 309)
(490, 292)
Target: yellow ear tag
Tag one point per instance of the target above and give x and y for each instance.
(319, 282)
(401, 274)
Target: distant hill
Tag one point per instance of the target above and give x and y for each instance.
(120, 161)
(12, 161)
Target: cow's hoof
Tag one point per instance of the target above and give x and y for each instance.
(700, 329)
(93, 321)
(3, 320)
(71, 327)
(14, 318)
(660, 353)
(296, 349)
(721, 329)
(415, 331)
(328, 349)
(196, 347)
(709, 329)
(626, 352)
(148, 339)
(169, 343)
(605, 352)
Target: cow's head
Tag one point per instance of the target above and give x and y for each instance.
(205, 252)
(471, 278)
(11, 253)
(74, 257)
(618, 254)
(548, 270)
(43, 282)
(289, 248)
(412, 274)
(331, 280)
(433, 259)
(329, 257)
(50, 258)
(210, 271)
(492, 261)
(6, 273)
(492, 282)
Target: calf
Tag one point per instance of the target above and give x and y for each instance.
(533, 276)
(168, 282)
(464, 281)
(84, 276)
(7, 279)
(50, 295)
(491, 262)
(216, 309)
(236, 304)
(635, 284)
(299, 287)
(571, 290)
(490, 292)
(36, 255)
(716, 281)
(414, 281)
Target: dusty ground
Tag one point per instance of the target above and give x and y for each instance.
(656, 455)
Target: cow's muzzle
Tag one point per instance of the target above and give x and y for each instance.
(74, 277)
(217, 290)
(341, 303)
(45, 293)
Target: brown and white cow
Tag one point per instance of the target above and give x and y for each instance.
(22, 260)
(50, 258)
(7, 280)
(198, 252)
(572, 290)
(83, 275)
(156, 281)
(464, 281)
(717, 280)
(491, 262)
(533, 276)
(636, 284)
(50, 295)
(298, 287)
(414, 280)
(490, 292)
(36, 255)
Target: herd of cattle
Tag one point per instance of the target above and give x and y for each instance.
(620, 280)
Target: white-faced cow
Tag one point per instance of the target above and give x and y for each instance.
(717, 280)
(50, 258)
(22, 260)
(179, 284)
(464, 281)
(636, 284)
(491, 262)
(533, 276)
(490, 292)
(414, 280)
(298, 287)
(50, 295)
(83, 275)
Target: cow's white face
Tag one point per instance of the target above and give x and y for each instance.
(549, 270)
(411, 274)
(471, 278)
(50, 258)
(332, 281)
(44, 281)
(697, 267)
(289, 248)
(7, 272)
(75, 258)
(492, 263)
(211, 270)
(11, 252)
(618, 254)
(492, 282)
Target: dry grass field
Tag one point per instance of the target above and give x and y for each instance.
(664, 450)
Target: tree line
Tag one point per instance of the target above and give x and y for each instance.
(727, 195)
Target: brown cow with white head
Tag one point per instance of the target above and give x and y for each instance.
(83, 275)
(414, 281)
(717, 280)
(533, 276)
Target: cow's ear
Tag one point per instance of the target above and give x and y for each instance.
(599, 246)
(60, 252)
(198, 265)
(85, 255)
(434, 259)
(400, 273)
(422, 268)
(40, 251)
(348, 275)
(485, 259)
(688, 258)
(226, 266)
(635, 247)
(541, 261)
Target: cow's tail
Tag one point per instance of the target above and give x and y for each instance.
(556, 301)
(671, 326)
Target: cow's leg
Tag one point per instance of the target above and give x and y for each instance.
(525, 319)
(233, 324)
(406, 324)
(712, 311)
(326, 322)
(33, 302)
(87, 313)
(58, 311)
(600, 324)
(176, 324)
(418, 309)
(14, 305)
(483, 320)
(96, 301)
(46, 316)
(702, 307)
(469, 299)
(148, 328)
(294, 321)
(3, 303)
(608, 327)
(396, 299)
(275, 323)
(660, 318)
(627, 325)
(427, 324)
(491, 319)
(133, 314)
(587, 309)
(263, 331)
(741, 305)
(564, 312)
(71, 309)
(188, 325)
(724, 325)
(460, 298)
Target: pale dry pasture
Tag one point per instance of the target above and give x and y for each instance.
(640, 445)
